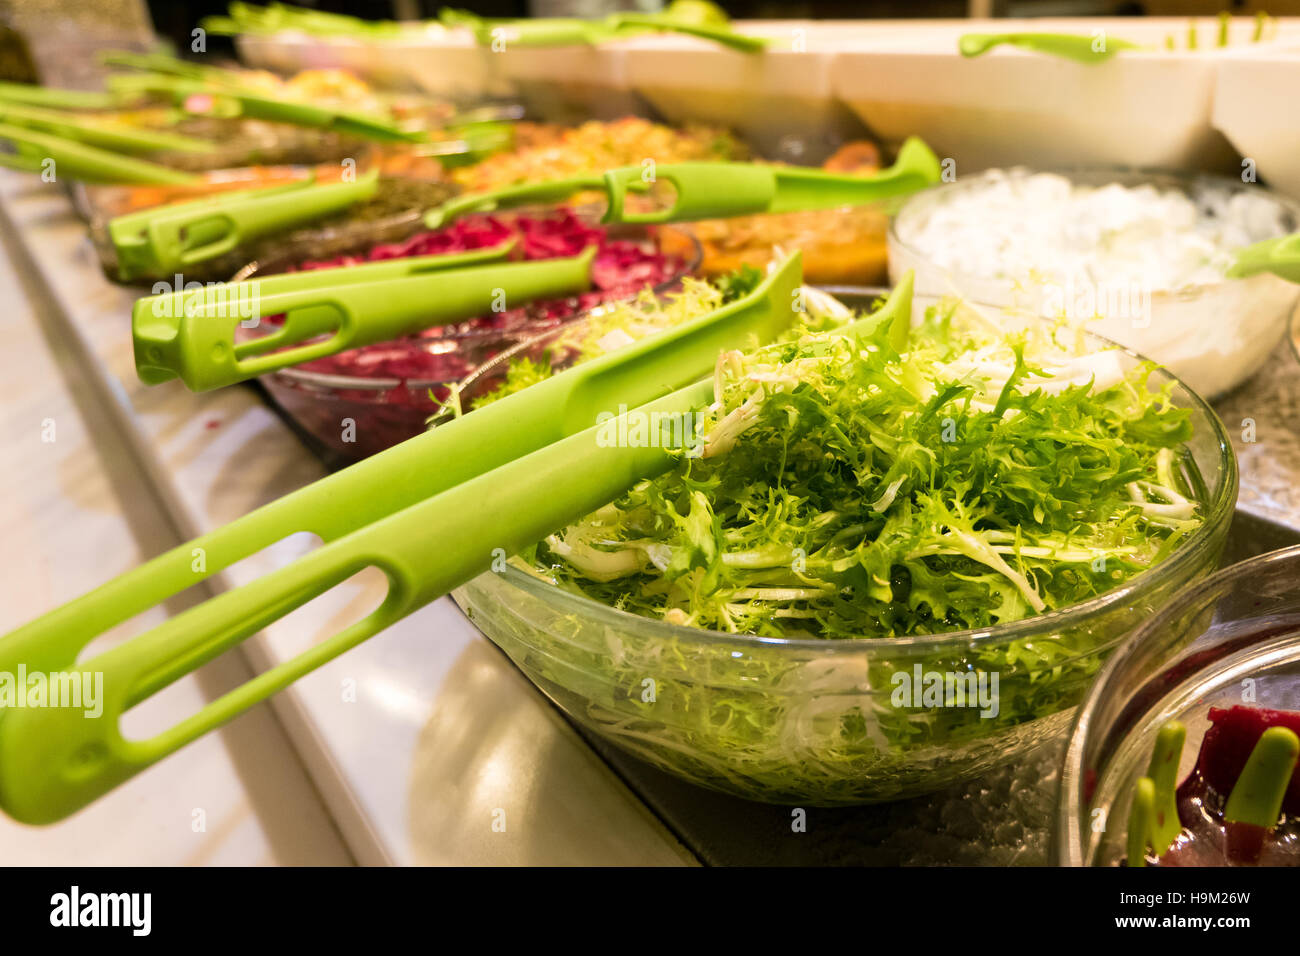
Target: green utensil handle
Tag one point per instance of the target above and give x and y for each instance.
(54, 761)
(1069, 46)
(551, 191)
(57, 98)
(103, 133)
(717, 190)
(167, 239)
(199, 345)
(1280, 256)
(182, 302)
(720, 190)
(722, 35)
(73, 160)
(38, 755)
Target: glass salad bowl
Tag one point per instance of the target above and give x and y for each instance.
(813, 721)
(362, 402)
(1142, 258)
(1231, 640)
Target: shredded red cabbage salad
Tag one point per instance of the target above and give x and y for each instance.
(621, 268)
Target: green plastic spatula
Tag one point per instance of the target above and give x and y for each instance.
(716, 190)
(166, 239)
(430, 513)
(196, 342)
(1069, 46)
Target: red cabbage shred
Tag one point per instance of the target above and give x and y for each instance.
(621, 268)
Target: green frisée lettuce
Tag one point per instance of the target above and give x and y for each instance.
(840, 488)
(612, 326)
(883, 483)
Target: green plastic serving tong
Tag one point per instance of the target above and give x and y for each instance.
(575, 31)
(80, 161)
(1096, 47)
(431, 513)
(104, 133)
(1280, 256)
(228, 100)
(1080, 48)
(191, 336)
(708, 190)
(52, 97)
(166, 239)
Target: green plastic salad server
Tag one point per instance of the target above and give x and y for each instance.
(251, 18)
(74, 160)
(709, 190)
(48, 96)
(431, 513)
(197, 343)
(1279, 256)
(575, 31)
(1069, 46)
(178, 302)
(1254, 800)
(204, 98)
(100, 132)
(721, 34)
(165, 239)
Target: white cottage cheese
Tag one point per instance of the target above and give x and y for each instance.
(1146, 260)
(1012, 224)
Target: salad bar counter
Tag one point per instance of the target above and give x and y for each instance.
(781, 490)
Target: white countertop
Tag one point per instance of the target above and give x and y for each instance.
(443, 733)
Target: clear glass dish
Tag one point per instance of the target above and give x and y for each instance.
(1213, 336)
(811, 722)
(1231, 639)
(356, 416)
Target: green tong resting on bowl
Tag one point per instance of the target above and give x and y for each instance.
(202, 97)
(1095, 47)
(36, 149)
(695, 18)
(431, 513)
(31, 94)
(192, 335)
(1069, 46)
(707, 190)
(1280, 256)
(104, 133)
(1254, 801)
(166, 239)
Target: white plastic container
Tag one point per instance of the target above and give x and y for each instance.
(571, 84)
(781, 100)
(1212, 333)
(1011, 106)
(1255, 108)
(447, 63)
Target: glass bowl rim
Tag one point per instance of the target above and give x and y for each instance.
(1068, 849)
(1182, 179)
(1220, 509)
